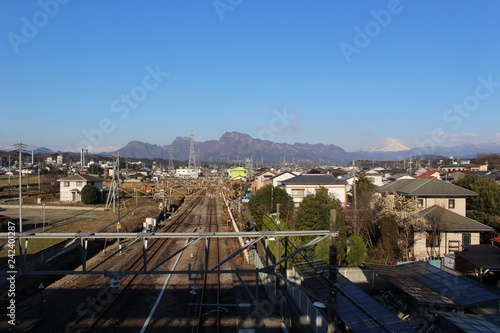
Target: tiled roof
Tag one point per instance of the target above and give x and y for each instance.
(79, 177)
(425, 187)
(313, 179)
(450, 221)
(428, 174)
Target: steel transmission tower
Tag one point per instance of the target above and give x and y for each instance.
(170, 160)
(192, 154)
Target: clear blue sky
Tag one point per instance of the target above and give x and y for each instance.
(349, 73)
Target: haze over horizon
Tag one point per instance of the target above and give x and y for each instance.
(356, 75)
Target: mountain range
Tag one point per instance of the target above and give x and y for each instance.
(237, 146)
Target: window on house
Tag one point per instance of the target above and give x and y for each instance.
(298, 193)
(420, 203)
(66, 184)
(451, 203)
(466, 239)
(78, 183)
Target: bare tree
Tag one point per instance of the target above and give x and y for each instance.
(406, 214)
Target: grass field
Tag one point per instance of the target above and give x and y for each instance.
(98, 222)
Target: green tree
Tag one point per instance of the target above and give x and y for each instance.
(90, 195)
(94, 169)
(388, 244)
(314, 214)
(488, 200)
(364, 192)
(357, 252)
(264, 202)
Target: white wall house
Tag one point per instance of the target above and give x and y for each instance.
(375, 177)
(300, 186)
(71, 187)
(450, 232)
(278, 180)
(444, 206)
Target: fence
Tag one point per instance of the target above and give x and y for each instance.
(316, 317)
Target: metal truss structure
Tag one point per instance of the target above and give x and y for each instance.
(143, 237)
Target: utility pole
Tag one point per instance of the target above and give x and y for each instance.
(38, 168)
(354, 184)
(20, 145)
(10, 171)
(332, 274)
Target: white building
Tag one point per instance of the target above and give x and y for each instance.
(71, 187)
(300, 186)
(187, 173)
(278, 180)
(444, 206)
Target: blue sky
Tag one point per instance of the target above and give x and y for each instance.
(350, 73)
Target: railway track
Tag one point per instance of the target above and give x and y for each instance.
(99, 311)
(208, 311)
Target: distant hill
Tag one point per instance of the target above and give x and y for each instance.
(235, 145)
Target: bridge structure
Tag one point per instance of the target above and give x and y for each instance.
(144, 237)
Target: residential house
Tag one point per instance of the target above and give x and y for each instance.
(278, 179)
(451, 176)
(261, 179)
(429, 174)
(464, 166)
(375, 177)
(300, 186)
(448, 232)
(237, 172)
(429, 192)
(444, 206)
(71, 187)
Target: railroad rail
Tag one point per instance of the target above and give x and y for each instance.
(90, 317)
(208, 316)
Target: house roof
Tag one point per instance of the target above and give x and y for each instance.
(285, 173)
(80, 177)
(359, 311)
(313, 179)
(449, 221)
(431, 285)
(472, 323)
(263, 172)
(400, 175)
(427, 174)
(482, 255)
(425, 187)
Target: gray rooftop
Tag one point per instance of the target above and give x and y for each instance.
(431, 285)
(313, 179)
(425, 187)
(482, 255)
(447, 220)
(79, 177)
